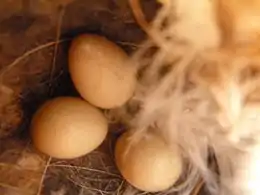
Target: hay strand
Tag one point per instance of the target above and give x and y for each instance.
(198, 188)
(43, 175)
(8, 67)
(56, 46)
(52, 71)
(139, 15)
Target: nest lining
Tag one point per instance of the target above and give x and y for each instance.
(24, 86)
(190, 90)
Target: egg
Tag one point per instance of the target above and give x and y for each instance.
(149, 164)
(101, 71)
(68, 127)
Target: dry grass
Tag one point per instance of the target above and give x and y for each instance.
(25, 171)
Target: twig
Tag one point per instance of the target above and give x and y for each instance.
(8, 165)
(50, 91)
(27, 54)
(139, 15)
(129, 44)
(102, 162)
(198, 187)
(87, 169)
(120, 187)
(43, 176)
(56, 46)
(140, 18)
(89, 188)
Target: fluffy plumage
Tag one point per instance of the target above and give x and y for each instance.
(207, 100)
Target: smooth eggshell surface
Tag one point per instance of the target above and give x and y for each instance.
(149, 164)
(101, 71)
(68, 127)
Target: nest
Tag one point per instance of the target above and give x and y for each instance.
(34, 40)
(197, 72)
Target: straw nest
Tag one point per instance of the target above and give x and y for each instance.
(34, 39)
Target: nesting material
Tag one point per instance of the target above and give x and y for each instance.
(213, 66)
(68, 128)
(196, 74)
(101, 71)
(34, 59)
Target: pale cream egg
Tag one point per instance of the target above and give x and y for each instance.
(68, 127)
(101, 71)
(149, 164)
